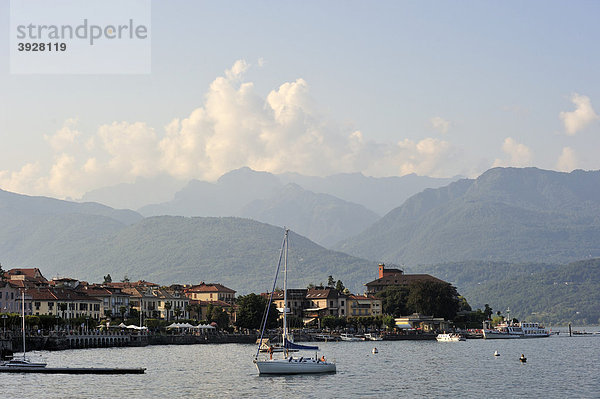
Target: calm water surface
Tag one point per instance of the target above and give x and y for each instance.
(557, 367)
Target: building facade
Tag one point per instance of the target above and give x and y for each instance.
(361, 306)
(211, 293)
(395, 278)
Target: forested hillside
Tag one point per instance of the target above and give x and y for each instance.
(506, 214)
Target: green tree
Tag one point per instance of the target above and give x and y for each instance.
(177, 312)
(463, 305)
(217, 315)
(389, 322)
(328, 322)
(1, 272)
(107, 279)
(123, 310)
(339, 286)
(250, 312)
(133, 312)
(393, 300)
(488, 312)
(330, 282)
(168, 307)
(433, 298)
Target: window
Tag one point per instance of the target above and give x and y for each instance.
(342, 303)
(330, 304)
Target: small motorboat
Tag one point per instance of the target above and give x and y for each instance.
(496, 353)
(375, 351)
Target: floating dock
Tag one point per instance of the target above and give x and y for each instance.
(71, 370)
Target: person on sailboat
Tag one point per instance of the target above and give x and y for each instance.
(270, 352)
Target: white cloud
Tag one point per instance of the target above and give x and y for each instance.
(440, 124)
(132, 147)
(567, 161)
(65, 136)
(26, 180)
(519, 155)
(233, 127)
(583, 115)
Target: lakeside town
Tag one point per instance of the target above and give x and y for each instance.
(67, 306)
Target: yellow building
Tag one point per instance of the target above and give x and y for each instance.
(211, 293)
(63, 302)
(359, 305)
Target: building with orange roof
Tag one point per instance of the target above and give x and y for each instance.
(395, 277)
(64, 302)
(211, 292)
(115, 302)
(29, 276)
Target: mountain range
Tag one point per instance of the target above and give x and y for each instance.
(507, 228)
(506, 214)
(324, 209)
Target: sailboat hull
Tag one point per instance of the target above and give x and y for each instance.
(294, 366)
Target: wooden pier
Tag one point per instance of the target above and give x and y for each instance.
(71, 370)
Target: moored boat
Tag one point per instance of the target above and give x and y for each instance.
(289, 364)
(373, 337)
(450, 337)
(24, 362)
(350, 338)
(516, 330)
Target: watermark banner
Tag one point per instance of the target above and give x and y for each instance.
(80, 36)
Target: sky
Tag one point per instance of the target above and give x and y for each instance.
(385, 88)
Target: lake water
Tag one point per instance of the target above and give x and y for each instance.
(557, 367)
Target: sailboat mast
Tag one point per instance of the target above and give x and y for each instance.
(285, 331)
(23, 313)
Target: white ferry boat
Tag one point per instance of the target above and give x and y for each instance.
(534, 330)
(450, 338)
(516, 330)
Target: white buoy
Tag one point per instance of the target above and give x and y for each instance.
(375, 350)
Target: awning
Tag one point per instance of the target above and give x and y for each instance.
(314, 309)
(204, 327)
(308, 320)
(403, 326)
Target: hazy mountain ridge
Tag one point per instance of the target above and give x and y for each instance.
(137, 194)
(506, 214)
(322, 217)
(19, 203)
(379, 194)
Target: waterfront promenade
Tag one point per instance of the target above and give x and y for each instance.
(105, 339)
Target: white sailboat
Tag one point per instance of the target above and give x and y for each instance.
(24, 361)
(289, 364)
